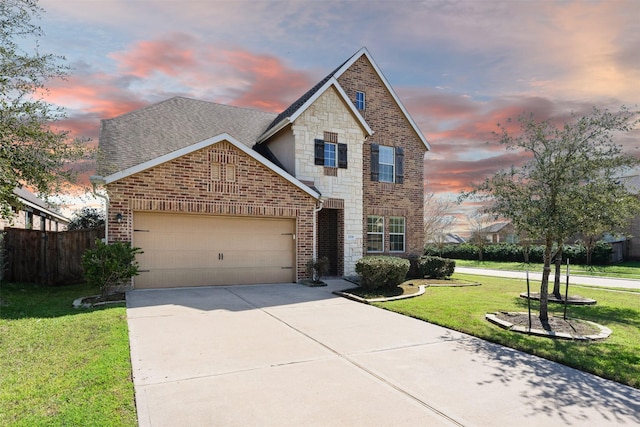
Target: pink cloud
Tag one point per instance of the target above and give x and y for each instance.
(170, 56)
(271, 85)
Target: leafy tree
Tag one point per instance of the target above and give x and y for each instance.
(86, 218)
(32, 151)
(570, 182)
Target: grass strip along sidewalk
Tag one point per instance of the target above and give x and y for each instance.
(624, 270)
(60, 365)
(463, 309)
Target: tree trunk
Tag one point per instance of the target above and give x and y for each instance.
(544, 286)
(589, 246)
(556, 281)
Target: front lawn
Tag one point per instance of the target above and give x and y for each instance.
(464, 308)
(62, 366)
(624, 270)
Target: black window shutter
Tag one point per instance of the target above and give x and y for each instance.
(375, 161)
(319, 152)
(399, 165)
(342, 156)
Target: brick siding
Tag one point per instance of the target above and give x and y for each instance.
(184, 185)
(390, 128)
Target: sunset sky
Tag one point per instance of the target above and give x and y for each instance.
(459, 67)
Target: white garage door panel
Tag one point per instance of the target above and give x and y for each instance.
(199, 250)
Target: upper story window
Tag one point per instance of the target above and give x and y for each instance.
(330, 155)
(387, 164)
(360, 100)
(329, 152)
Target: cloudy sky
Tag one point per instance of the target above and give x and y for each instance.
(460, 67)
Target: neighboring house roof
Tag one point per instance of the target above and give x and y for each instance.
(447, 238)
(631, 182)
(29, 199)
(157, 130)
(301, 103)
(454, 238)
(494, 228)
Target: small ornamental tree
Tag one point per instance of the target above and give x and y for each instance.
(317, 268)
(107, 266)
(570, 182)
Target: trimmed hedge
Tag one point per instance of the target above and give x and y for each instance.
(514, 253)
(381, 271)
(434, 267)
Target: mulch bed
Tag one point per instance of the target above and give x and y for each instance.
(571, 299)
(555, 325)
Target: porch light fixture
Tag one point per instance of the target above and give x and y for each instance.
(118, 218)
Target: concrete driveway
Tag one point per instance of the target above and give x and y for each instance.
(288, 355)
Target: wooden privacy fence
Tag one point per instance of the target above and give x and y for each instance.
(47, 257)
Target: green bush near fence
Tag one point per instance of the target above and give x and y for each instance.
(108, 266)
(510, 252)
(381, 271)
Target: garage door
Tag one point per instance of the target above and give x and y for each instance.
(199, 250)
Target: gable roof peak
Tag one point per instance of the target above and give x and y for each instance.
(300, 103)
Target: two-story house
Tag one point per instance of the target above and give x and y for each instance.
(218, 195)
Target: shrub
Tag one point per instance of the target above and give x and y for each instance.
(318, 268)
(414, 268)
(107, 266)
(381, 271)
(435, 267)
(577, 254)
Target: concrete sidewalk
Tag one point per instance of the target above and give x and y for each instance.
(608, 282)
(288, 355)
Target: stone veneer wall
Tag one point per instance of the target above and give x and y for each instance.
(184, 185)
(329, 114)
(390, 128)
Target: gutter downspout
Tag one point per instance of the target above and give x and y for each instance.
(315, 226)
(99, 180)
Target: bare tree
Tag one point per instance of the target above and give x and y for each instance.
(439, 219)
(479, 223)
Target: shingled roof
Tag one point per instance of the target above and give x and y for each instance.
(159, 129)
(304, 98)
(335, 74)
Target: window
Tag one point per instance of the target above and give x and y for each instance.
(396, 234)
(387, 164)
(375, 234)
(329, 155)
(360, 100)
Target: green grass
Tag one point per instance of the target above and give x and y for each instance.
(61, 366)
(625, 270)
(464, 308)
